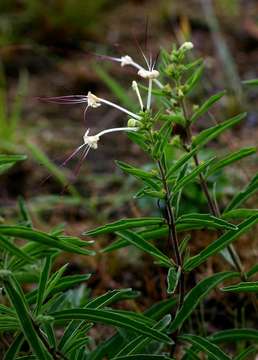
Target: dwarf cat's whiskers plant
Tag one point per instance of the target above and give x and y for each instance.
(162, 332)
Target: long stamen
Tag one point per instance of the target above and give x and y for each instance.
(73, 154)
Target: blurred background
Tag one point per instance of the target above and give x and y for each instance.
(49, 48)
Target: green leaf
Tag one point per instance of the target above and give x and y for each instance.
(181, 162)
(239, 213)
(163, 139)
(230, 158)
(173, 277)
(234, 335)
(253, 271)
(148, 177)
(111, 318)
(14, 250)
(219, 244)
(195, 296)
(11, 159)
(14, 347)
(213, 132)
(143, 357)
(245, 353)
(206, 105)
(19, 302)
(124, 224)
(41, 291)
(251, 82)
(243, 195)
(247, 286)
(138, 343)
(212, 350)
(205, 220)
(190, 177)
(42, 238)
(26, 219)
(138, 241)
(193, 80)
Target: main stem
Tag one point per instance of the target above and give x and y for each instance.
(173, 244)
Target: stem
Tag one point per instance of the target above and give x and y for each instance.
(174, 244)
(211, 203)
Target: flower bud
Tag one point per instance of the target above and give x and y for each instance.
(133, 123)
(186, 46)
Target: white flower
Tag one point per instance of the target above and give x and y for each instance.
(92, 140)
(93, 100)
(126, 60)
(148, 74)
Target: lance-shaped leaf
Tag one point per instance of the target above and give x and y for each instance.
(14, 250)
(231, 158)
(144, 357)
(162, 140)
(111, 318)
(242, 287)
(14, 347)
(205, 220)
(220, 243)
(195, 296)
(207, 105)
(213, 132)
(243, 195)
(28, 327)
(234, 335)
(149, 178)
(138, 241)
(251, 82)
(97, 303)
(112, 346)
(181, 162)
(138, 343)
(245, 354)
(41, 291)
(6, 159)
(193, 79)
(239, 213)
(212, 350)
(42, 238)
(124, 224)
(191, 176)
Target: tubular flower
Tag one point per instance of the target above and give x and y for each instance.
(90, 99)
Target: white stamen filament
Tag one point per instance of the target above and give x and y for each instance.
(136, 89)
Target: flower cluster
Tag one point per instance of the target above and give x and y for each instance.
(93, 101)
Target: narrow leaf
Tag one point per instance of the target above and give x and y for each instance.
(206, 346)
(220, 243)
(195, 296)
(207, 105)
(110, 318)
(242, 287)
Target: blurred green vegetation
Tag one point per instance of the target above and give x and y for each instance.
(30, 20)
